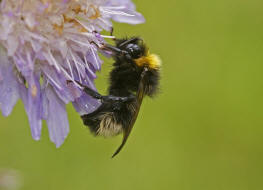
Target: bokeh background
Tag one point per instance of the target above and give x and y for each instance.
(203, 132)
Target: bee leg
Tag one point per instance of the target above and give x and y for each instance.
(88, 90)
(110, 48)
(114, 49)
(108, 98)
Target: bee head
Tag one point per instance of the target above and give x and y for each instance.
(131, 48)
(134, 50)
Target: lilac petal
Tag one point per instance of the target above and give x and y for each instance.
(126, 10)
(85, 104)
(8, 85)
(34, 120)
(57, 119)
(23, 95)
(58, 81)
(93, 57)
(136, 17)
(24, 64)
(121, 3)
(45, 106)
(34, 106)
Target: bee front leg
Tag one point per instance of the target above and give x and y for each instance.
(109, 98)
(111, 48)
(88, 90)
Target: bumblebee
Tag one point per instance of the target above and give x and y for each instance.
(135, 74)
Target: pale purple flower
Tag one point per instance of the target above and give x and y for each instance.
(44, 43)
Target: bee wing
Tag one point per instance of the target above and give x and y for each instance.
(139, 98)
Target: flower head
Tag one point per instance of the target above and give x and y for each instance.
(44, 43)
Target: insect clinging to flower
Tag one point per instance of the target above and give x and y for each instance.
(135, 74)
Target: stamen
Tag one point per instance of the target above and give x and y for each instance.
(71, 72)
(97, 13)
(116, 12)
(53, 81)
(114, 8)
(88, 67)
(110, 37)
(53, 61)
(95, 57)
(76, 64)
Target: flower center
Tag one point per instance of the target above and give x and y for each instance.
(49, 16)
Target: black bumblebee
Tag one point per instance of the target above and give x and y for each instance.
(135, 74)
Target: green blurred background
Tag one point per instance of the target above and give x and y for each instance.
(203, 132)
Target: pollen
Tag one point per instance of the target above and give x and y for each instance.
(59, 29)
(153, 61)
(96, 14)
(34, 91)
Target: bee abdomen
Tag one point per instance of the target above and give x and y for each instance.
(91, 121)
(104, 124)
(108, 126)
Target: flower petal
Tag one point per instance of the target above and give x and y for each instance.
(34, 106)
(58, 81)
(126, 12)
(132, 18)
(85, 104)
(8, 85)
(57, 120)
